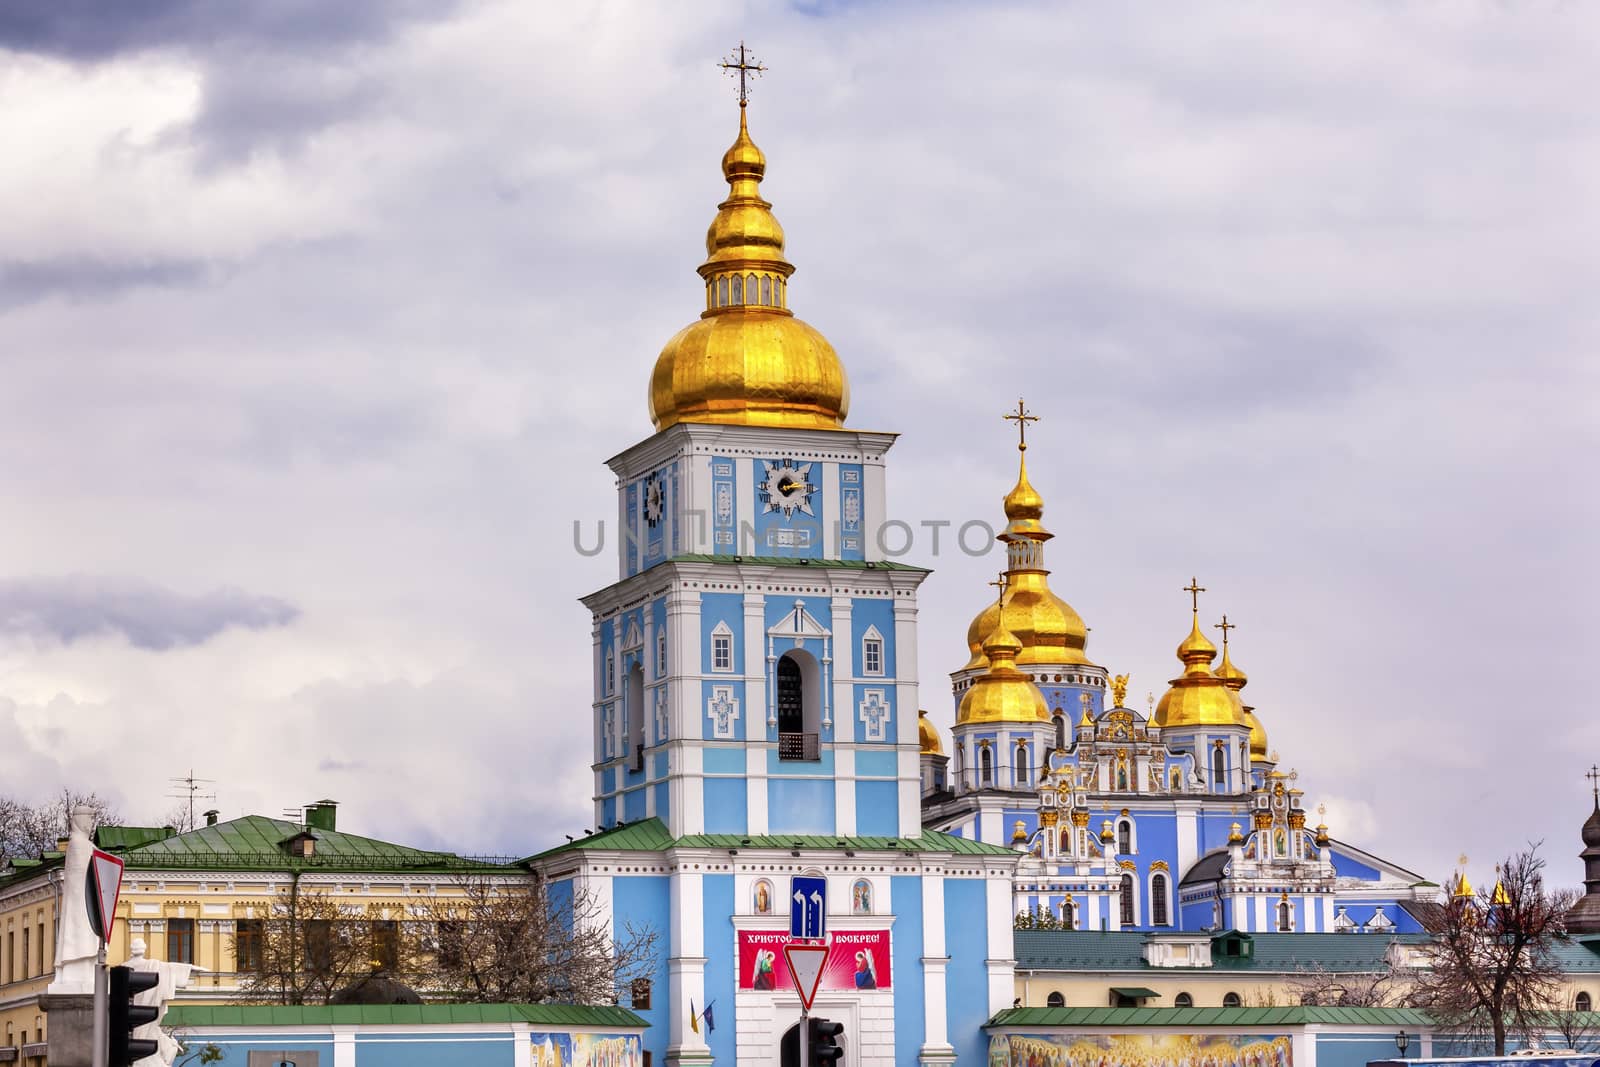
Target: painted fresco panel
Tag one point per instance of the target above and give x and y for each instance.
(586, 1050)
(1159, 1050)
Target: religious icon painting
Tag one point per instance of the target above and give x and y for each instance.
(861, 897)
(761, 898)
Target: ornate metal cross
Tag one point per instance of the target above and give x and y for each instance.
(747, 66)
(1225, 626)
(1021, 417)
(1593, 774)
(1194, 589)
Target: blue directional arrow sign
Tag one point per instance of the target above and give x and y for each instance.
(808, 908)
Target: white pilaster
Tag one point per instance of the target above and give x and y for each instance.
(686, 968)
(831, 530)
(844, 789)
(1002, 963)
(756, 698)
(757, 816)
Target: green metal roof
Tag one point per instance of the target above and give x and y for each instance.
(1137, 991)
(651, 835)
(557, 1015)
(122, 838)
(255, 842)
(1288, 1016)
(1081, 950)
(789, 561)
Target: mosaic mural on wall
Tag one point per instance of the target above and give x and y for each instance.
(586, 1050)
(1160, 1050)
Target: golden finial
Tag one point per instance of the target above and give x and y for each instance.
(1000, 584)
(1119, 690)
(1322, 811)
(747, 66)
(1022, 416)
(1224, 626)
(1461, 860)
(1194, 589)
(1150, 703)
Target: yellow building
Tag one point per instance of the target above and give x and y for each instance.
(202, 897)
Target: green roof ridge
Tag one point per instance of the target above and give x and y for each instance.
(651, 835)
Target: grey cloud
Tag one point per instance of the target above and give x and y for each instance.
(81, 279)
(75, 607)
(92, 30)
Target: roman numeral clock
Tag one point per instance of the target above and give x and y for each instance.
(785, 488)
(788, 523)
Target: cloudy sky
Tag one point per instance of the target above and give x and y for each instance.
(318, 321)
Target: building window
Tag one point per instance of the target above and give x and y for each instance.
(386, 944)
(661, 655)
(180, 940)
(1055, 1000)
(1183, 1000)
(1285, 916)
(318, 957)
(1158, 900)
(1127, 900)
(639, 994)
(40, 946)
(872, 655)
(766, 290)
(1583, 1003)
(25, 972)
(1231, 1000)
(1125, 836)
(722, 291)
(738, 289)
(247, 946)
(1069, 913)
(611, 667)
(1219, 770)
(1061, 730)
(985, 766)
(722, 652)
(1022, 765)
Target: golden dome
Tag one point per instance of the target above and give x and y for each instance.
(928, 734)
(1003, 693)
(1050, 631)
(1235, 679)
(748, 360)
(1198, 697)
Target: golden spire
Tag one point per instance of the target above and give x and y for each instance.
(1231, 676)
(1051, 632)
(747, 360)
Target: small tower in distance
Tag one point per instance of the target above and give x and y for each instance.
(1583, 918)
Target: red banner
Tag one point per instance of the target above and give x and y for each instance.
(857, 959)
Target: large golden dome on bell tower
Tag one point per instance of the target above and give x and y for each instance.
(747, 360)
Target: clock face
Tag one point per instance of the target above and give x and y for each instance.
(653, 500)
(784, 487)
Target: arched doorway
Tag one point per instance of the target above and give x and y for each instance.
(797, 685)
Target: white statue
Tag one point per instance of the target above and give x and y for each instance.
(77, 947)
(171, 978)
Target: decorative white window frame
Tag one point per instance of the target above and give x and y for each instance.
(1166, 896)
(1133, 836)
(722, 631)
(661, 654)
(872, 642)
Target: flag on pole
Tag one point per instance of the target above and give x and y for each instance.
(710, 1022)
(694, 1023)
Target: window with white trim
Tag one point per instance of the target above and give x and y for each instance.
(722, 648)
(661, 655)
(872, 652)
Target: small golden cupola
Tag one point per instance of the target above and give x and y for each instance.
(1049, 630)
(1198, 697)
(1235, 679)
(747, 360)
(928, 735)
(1002, 693)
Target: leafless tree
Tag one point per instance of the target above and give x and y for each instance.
(531, 943)
(180, 817)
(27, 829)
(311, 945)
(1316, 985)
(1490, 968)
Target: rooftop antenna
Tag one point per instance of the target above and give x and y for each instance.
(189, 789)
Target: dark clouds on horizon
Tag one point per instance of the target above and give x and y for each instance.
(334, 311)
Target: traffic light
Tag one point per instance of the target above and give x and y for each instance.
(822, 1045)
(123, 1015)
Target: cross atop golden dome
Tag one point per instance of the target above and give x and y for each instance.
(1199, 697)
(1002, 693)
(747, 360)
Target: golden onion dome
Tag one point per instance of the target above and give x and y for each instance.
(1050, 631)
(748, 360)
(1198, 697)
(928, 735)
(1235, 679)
(1003, 693)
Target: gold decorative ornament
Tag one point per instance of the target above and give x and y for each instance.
(1234, 836)
(1159, 865)
(1127, 865)
(1198, 697)
(1119, 690)
(1019, 835)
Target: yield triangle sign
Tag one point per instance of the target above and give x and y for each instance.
(105, 882)
(805, 967)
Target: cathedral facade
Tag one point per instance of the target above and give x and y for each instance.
(1175, 819)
